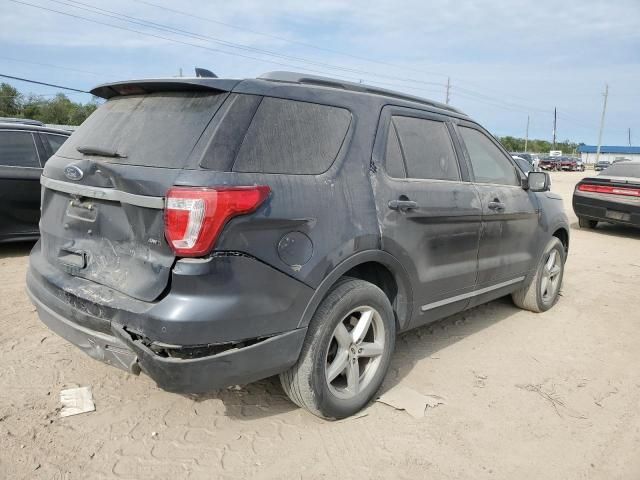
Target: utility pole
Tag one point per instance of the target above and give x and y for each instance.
(555, 119)
(604, 109)
(180, 72)
(526, 136)
(448, 90)
(629, 136)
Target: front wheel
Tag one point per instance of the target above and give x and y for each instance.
(542, 292)
(346, 353)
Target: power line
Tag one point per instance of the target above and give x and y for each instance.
(51, 66)
(178, 31)
(288, 40)
(181, 42)
(43, 83)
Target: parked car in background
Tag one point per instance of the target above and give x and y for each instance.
(601, 165)
(212, 232)
(567, 164)
(23, 121)
(612, 196)
(550, 163)
(25, 146)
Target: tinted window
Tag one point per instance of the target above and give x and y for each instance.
(488, 162)
(523, 164)
(292, 137)
(427, 149)
(393, 158)
(623, 169)
(18, 150)
(158, 129)
(55, 141)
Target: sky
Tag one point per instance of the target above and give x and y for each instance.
(505, 60)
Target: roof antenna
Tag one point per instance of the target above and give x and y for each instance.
(204, 73)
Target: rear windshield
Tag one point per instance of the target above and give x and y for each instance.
(158, 130)
(623, 170)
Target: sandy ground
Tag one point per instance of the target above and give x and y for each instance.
(553, 396)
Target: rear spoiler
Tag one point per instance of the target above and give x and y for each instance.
(140, 87)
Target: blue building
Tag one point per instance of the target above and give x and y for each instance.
(608, 153)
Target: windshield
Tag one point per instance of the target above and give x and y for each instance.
(157, 129)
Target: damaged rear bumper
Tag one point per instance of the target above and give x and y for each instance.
(192, 375)
(196, 339)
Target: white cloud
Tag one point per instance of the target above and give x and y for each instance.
(527, 53)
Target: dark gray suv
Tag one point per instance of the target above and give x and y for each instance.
(211, 232)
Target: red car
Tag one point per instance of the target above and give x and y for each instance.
(550, 163)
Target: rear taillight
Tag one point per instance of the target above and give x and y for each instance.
(195, 216)
(629, 192)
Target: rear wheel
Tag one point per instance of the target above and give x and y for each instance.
(542, 292)
(586, 223)
(346, 353)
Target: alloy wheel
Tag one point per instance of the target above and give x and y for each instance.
(354, 352)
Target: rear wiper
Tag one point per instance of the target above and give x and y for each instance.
(103, 152)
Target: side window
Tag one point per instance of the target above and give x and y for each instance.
(54, 141)
(488, 163)
(18, 150)
(292, 137)
(427, 148)
(394, 163)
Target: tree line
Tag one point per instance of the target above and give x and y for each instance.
(58, 110)
(514, 144)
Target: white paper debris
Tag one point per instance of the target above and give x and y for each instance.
(412, 402)
(76, 401)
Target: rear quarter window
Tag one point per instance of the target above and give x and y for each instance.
(292, 137)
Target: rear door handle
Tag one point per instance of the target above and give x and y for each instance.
(496, 206)
(402, 205)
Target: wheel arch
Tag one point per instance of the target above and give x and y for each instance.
(562, 234)
(378, 267)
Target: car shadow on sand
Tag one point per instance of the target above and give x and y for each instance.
(611, 229)
(17, 249)
(267, 398)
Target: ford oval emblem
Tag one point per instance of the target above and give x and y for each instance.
(73, 173)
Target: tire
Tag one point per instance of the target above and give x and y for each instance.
(532, 297)
(586, 223)
(307, 383)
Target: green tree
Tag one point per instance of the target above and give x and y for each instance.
(10, 101)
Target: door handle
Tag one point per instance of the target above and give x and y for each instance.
(496, 205)
(402, 205)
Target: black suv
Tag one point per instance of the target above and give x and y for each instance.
(211, 232)
(25, 145)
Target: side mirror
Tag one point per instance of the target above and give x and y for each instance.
(539, 181)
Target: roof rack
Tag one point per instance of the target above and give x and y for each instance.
(293, 77)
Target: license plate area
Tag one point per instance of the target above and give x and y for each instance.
(82, 209)
(616, 215)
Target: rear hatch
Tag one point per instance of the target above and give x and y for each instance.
(103, 192)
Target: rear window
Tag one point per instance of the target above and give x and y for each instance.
(291, 137)
(158, 130)
(17, 149)
(623, 169)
